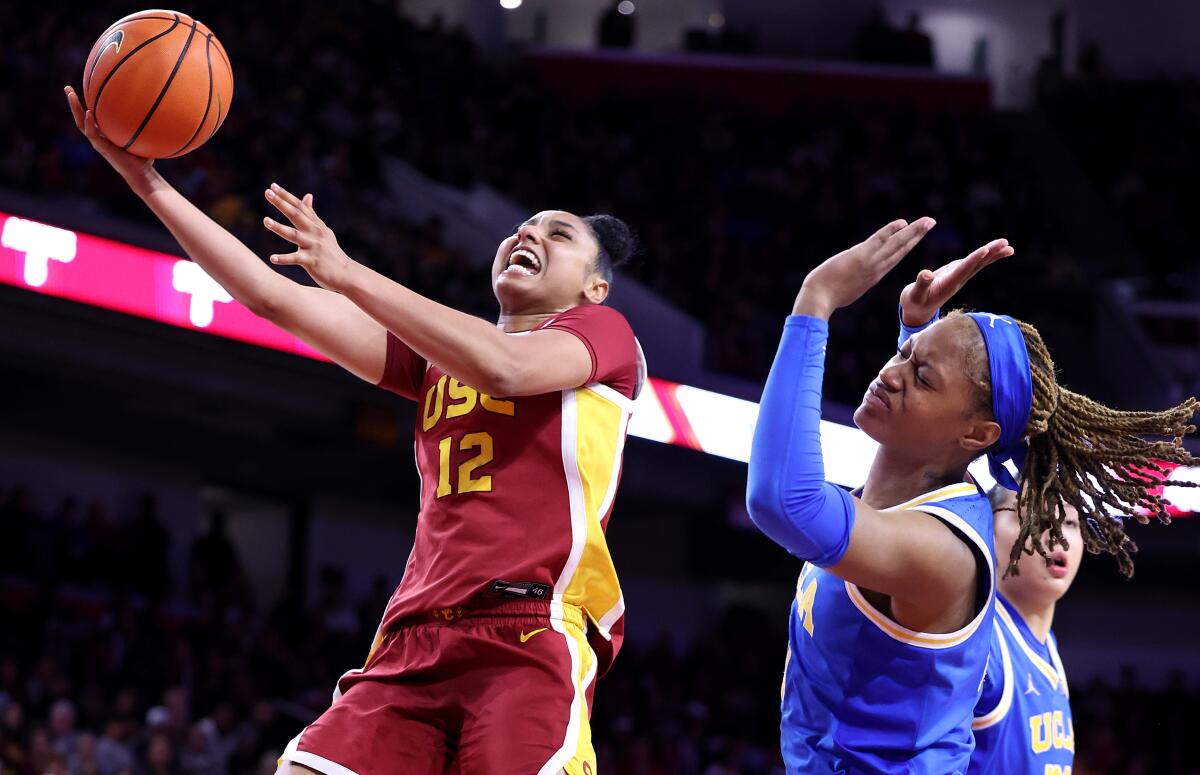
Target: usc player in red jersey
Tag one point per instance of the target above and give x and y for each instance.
(509, 608)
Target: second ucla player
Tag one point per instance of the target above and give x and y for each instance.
(1023, 718)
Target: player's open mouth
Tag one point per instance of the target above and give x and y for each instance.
(524, 262)
(1058, 565)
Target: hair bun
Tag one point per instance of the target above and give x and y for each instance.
(614, 236)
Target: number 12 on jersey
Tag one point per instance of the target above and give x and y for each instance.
(457, 468)
(466, 480)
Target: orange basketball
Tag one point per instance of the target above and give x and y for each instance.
(159, 83)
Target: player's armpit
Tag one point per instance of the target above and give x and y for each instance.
(331, 324)
(541, 362)
(915, 559)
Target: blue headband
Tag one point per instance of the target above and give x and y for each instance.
(1012, 391)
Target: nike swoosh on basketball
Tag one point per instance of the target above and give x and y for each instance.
(527, 635)
(112, 41)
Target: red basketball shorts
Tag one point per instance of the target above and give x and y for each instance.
(502, 690)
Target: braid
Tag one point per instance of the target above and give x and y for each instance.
(1088, 455)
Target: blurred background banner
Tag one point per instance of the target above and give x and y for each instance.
(199, 530)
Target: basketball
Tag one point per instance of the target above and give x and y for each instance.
(159, 83)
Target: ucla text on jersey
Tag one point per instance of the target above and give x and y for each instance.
(1023, 718)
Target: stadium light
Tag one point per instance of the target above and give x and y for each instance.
(510, 5)
(41, 244)
(625, 8)
(187, 277)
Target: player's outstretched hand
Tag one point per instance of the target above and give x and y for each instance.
(317, 248)
(921, 298)
(121, 160)
(840, 280)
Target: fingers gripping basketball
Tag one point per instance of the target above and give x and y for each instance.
(159, 83)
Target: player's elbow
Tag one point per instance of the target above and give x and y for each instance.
(263, 306)
(764, 501)
(262, 299)
(500, 378)
(787, 515)
(504, 371)
(275, 304)
(774, 495)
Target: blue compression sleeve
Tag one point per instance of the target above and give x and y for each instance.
(907, 331)
(787, 495)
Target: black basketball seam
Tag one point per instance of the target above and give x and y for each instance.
(208, 102)
(224, 58)
(217, 125)
(122, 60)
(135, 19)
(167, 85)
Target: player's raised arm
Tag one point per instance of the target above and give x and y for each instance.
(473, 350)
(907, 555)
(921, 300)
(330, 323)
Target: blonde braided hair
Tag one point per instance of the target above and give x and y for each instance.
(1087, 455)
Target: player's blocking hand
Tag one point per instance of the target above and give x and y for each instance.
(317, 248)
(921, 298)
(840, 280)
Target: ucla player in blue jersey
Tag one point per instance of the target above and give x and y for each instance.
(892, 620)
(1023, 717)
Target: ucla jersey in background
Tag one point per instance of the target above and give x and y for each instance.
(1023, 719)
(862, 694)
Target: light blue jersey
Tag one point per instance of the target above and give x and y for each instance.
(862, 694)
(1023, 719)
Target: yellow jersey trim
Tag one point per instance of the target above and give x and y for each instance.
(928, 639)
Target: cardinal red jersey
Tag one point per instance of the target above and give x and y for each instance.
(520, 489)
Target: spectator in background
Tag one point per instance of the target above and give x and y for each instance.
(83, 761)
(63, 736)
(14, 753)
(338, 619)
(75, 543)
(916, 47)
(876, 38)
(16, 519)
(148, 546)
(105, 560)
(334, 609)
(160, 756)
(113, 753)
(202, 753)
(878, 41)
(216, 570)
(616, 28)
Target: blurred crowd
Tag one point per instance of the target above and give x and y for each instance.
(732, 212)
(1149, 176)
(107, 673)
